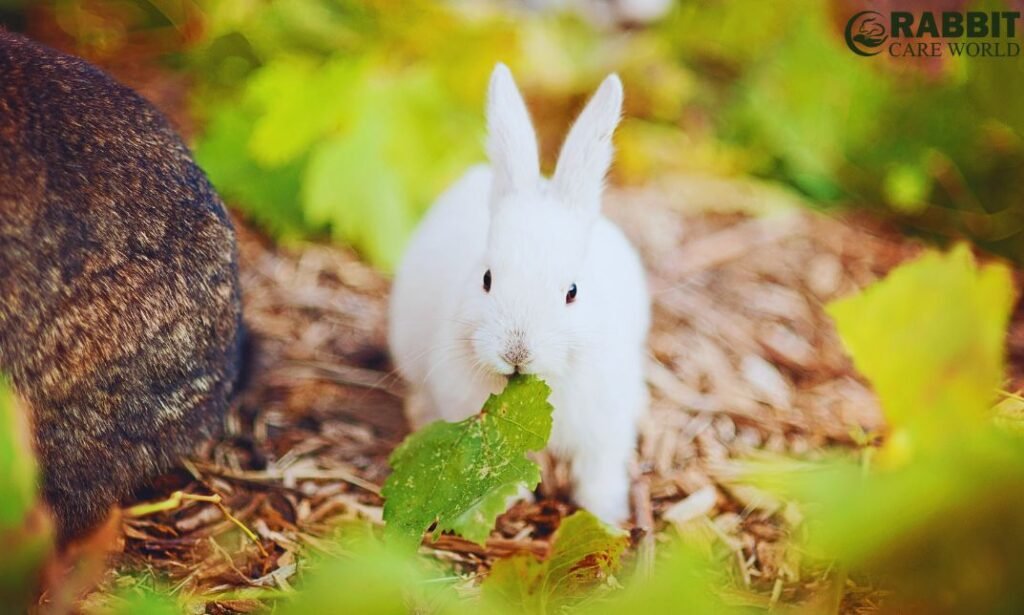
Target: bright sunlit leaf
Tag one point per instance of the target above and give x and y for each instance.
(907, 187)
(930, 338)
(942, 499)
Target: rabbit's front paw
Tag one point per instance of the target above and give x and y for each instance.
(607, 497)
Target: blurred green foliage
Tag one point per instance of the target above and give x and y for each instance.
(937, 143)
(935, 514)
(685, 580)
(352, 117)
(376, 577)
(348, 118)
(585, 556)
(17, 491)
(25, 536)
(341, 116)
(142, 602)
(933, 362)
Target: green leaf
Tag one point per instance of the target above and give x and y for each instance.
(906, 187)
(17, 468)
(685, 580)
(266, 195)
(145, 601)
(300, 102)
(349, 186)
(943, 497)
(372, 580)
(354, 146)
(25, 532)
(796, 108)
(930, 338)
(585, 553)
(460, 475)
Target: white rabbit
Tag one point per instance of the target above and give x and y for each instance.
(512, 272)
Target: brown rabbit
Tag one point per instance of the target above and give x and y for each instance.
(119, 297)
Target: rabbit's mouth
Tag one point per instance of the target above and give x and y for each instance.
(504, 369)
(516, 371)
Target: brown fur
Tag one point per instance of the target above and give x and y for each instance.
(119, 296)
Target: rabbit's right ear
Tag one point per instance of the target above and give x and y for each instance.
(587, 151)
(511, 141)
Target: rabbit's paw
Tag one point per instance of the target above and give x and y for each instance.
(607, 497)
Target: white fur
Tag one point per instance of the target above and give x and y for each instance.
(587, 151)
(448, 336)
(511, 143)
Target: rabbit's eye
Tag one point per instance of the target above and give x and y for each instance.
(487, 281)
(571, 295)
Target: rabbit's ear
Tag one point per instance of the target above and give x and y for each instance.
(511, 141)
(587, 151)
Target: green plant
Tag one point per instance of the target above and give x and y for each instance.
(341, 117)
(585, 556)
(937, 145)
(459, 476)
(25, 532)
(938, 507)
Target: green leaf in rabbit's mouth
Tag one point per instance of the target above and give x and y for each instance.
(458, 476)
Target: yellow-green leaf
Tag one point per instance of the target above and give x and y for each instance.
(25, 531)
(684, 581)
(930, 338)
(584, 555)
(17, 467)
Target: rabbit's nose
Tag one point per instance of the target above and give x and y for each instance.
(516, 353)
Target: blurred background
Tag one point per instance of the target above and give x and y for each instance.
(763, 169)
(344, 119)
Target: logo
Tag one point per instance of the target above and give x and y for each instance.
(865, 33)
(934, 34)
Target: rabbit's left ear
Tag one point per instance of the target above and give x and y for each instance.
(587, 151)
(511, 141)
